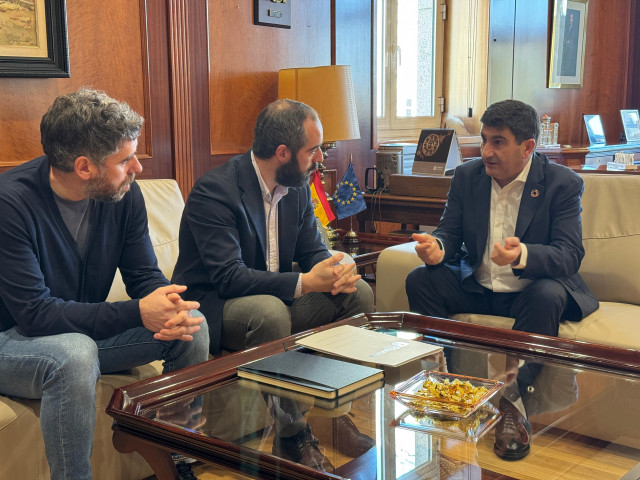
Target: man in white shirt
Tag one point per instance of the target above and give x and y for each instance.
(509, 242)
(243, 226)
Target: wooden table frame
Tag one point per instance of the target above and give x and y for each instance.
(132, 432)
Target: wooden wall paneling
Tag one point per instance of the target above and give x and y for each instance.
(107, 51)
(605, 79)
(200, 120)
(607, 52)
(244, 61)
(179, 40)
(158, 163)
(605, 73)
(633, 85)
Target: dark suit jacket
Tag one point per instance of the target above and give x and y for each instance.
(548, 223)
(223, 240)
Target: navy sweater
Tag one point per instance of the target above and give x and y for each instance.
(45, 287)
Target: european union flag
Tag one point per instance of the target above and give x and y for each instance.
(348, 198)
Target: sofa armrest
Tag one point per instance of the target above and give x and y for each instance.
(394, 264)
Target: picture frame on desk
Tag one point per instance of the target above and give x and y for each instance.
(631, 124)
(568, 39)
(595, 131)
(33, 40)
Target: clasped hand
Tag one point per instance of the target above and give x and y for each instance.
(509, 254)
(330, 276)
(166, 314)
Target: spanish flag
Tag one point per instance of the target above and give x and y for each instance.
(320, 204)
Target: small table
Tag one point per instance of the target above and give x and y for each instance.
(583, 411)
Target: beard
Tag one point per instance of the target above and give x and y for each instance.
(290, 175)
(100, 189)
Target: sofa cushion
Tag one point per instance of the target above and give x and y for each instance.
(612, 324)
(21, 439)
(611, 237)
(164, 205)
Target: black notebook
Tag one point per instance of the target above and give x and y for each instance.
(325, 403)
(311, 374)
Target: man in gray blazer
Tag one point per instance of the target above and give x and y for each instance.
(509, 242)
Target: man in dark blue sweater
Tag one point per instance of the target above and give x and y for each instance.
(68, 220)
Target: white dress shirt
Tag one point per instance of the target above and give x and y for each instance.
(272, 255)
(503, 214)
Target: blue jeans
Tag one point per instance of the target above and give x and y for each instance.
(62, 371)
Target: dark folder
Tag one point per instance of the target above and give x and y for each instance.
(310, 374)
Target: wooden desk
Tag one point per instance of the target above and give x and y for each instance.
(576, 156)
(603, 169)
(401, 209)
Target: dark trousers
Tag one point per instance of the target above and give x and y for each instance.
(437, 292)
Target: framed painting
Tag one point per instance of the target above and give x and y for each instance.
(568, 39)
(33, 38)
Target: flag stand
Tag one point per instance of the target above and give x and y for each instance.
(351, 236)
(349, 178)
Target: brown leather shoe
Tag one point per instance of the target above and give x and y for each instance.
(350, 441)
(302, 448)
(343, 434)
(513, 433)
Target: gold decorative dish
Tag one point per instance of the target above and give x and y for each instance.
(446, 395)
(471, 428)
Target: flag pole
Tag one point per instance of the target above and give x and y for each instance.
(351, 237)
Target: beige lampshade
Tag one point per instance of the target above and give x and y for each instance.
(330, 92)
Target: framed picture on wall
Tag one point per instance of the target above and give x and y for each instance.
(568, 39)
(33, 38)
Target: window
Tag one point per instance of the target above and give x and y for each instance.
(409, 58)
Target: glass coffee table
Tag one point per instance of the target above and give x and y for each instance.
(581, 401)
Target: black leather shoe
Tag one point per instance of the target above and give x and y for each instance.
(185, 472)
(513, 433)
(302, 448)
(345, 435)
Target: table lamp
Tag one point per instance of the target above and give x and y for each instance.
(327, 89)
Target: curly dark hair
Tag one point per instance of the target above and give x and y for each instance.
(86, 123)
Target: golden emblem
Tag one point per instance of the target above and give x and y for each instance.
(431, 144)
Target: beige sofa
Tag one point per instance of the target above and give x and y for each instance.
(611, 266)
(21, 447)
